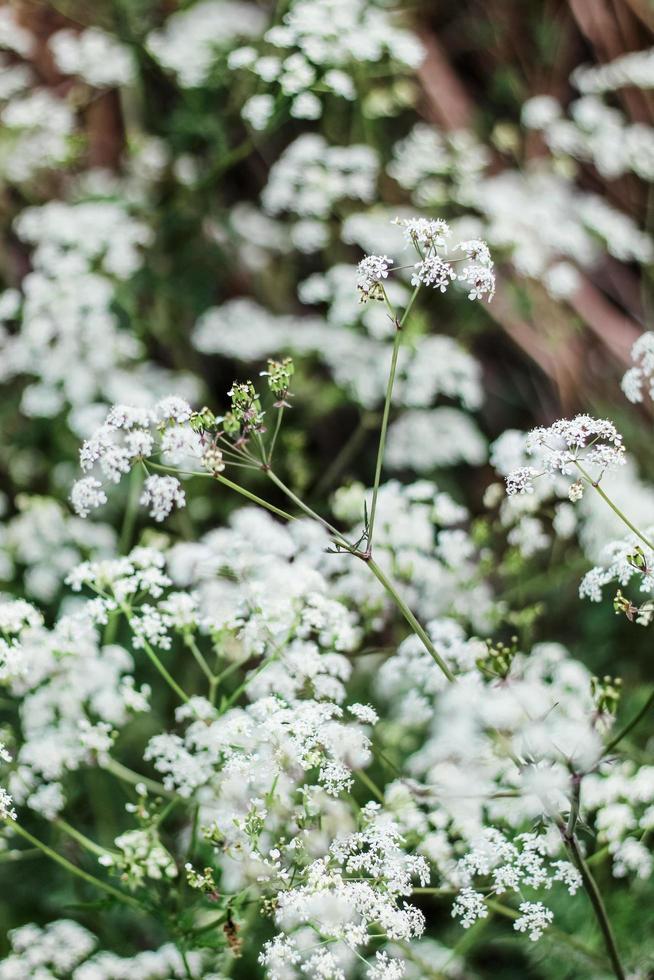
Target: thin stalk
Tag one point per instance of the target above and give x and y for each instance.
(131, 511)
(169, 679)
(81, 838)
(608, 748)
(74, 870)
(370, 784)
(248, 680)
(387, 407)
(127, 775)
(308, 511)
(381, 448)
(572, 845)
(227, 483)
(623, 517)
(597, 903)
(411, 619)
(199, 658)
(368, 421)
(187, 967)
(278, 425)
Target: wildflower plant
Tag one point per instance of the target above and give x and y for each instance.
(262, 719)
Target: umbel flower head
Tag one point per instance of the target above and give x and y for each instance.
(582, 446)
(436, 266)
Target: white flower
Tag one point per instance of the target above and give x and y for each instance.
(469, 906)
(535, 919)
(425, 233)
(371, 271)
(161, 494)
(567, 444)
(87, 494)
(433, 271)
(641, 375)
(521, 480)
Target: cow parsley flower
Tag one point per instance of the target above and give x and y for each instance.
(570, 445)
(535, 918)
(86, 495)
(433, 271)
(640, 377)
(161, 494)
(469, 906)
(371, 271)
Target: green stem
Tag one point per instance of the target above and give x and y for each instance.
(368, 421)
(387, 408)
(597, 903)
(308, 511)
(623, 517)
(81, 838)
(73, 869)
(127, 775)
(572, 845)
(227, 483)
(169, 679)
(248, 680)
(382, 436)
(131, 511)
(199, 658)
(411, 619)
(278, 424)
(370, 785)
(630, 724)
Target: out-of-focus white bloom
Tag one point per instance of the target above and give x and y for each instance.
(426, 439)
(190, 41)
(540, 111)
(311, 176)
(640, 377)
(86, 495)
(97, 57)
(258, 111)
(635, 68)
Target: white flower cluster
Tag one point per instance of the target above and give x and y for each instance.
(358, 885)
(72, 692)
(427, 236)
(7, 811)
(65, 948)
(191, 39)
(42, 542)
(70, 336)
(93, 55)
(314, 50)
(438, 166)
(620, 796)
(549, 226)
(564, 446)
(42, 126)
(596, 133)
(127, 436)
(621, 561)
(236, 757)
(311, 176)
(640, 377)
(635, 68)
